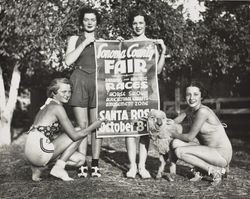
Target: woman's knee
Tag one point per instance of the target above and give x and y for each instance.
(130, 141)
(176, 143)
(178, 152)
(79, 159)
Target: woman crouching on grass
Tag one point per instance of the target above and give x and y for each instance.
(46, 143)
(213, 153)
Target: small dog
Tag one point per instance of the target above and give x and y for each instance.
(160, 128)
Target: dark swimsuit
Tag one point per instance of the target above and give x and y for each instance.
(49, 131)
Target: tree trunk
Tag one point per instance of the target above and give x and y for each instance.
(7, 109)
(177, 97)
(5, 134)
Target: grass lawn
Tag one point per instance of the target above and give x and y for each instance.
(15, 177)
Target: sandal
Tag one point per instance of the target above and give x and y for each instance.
(197, 175)
(83, 171)
(217, 174)
(95, 172)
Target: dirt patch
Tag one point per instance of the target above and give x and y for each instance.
(15, 178)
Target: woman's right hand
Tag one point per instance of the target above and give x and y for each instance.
(98, 122)
(89, 40)
(119, 38)
(169, 121)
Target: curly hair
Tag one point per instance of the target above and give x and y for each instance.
(134, 13)
(193, 83)
(88, 10)
(54, 86)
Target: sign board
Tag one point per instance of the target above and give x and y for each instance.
(127, 86)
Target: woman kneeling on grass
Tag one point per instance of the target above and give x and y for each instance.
(213, 153)
(45, 143)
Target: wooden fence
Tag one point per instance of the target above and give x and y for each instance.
(222, 106)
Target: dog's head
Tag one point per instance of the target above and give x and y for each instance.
(159, 126)
(156, 119)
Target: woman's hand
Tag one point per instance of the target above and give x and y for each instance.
(169, 121)
(99, 121)
(162, 44)
(119, 38)
(89, 40)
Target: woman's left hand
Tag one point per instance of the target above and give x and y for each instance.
(169, 121)
(162, 44)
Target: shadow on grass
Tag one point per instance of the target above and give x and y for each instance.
(119, 160)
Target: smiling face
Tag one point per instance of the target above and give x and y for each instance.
(193, 97)
(63, 93)
(139, 25)
(89, 22)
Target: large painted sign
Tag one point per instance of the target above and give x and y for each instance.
(127, 86)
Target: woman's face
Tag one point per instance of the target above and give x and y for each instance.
(89, 22)
(193, 97)
(64, 93)
(139, 25)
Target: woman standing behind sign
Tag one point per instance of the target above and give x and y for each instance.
(138, 21)
(80, 52)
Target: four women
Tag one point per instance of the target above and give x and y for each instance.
(213, 153)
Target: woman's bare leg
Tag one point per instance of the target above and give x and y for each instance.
(131, 150)
(96, 142)
(201, 156)
(76, 159)
(66, 147)
(143, 153)
(61, 143)
(178, 143)
(81, 115)
(36, 172)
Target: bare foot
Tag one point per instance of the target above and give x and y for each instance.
(170, 177)
(36, 173)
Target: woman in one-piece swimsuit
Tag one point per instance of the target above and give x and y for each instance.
(213, 153)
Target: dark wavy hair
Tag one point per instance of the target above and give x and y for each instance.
(88, 10)
(194, 83)
(134, 13)
(54, 86)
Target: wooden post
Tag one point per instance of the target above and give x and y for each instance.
(218, 105)
(177, 98)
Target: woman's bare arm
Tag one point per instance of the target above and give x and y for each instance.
(200, 117)
(161, 60)
(72, 53)
(69, 128)
(180, 118)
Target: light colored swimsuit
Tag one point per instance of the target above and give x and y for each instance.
(215, 136)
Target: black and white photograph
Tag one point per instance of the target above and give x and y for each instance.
(124, 99)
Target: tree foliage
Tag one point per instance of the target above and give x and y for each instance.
(30, 34)
(34, 34)
(223, 43)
